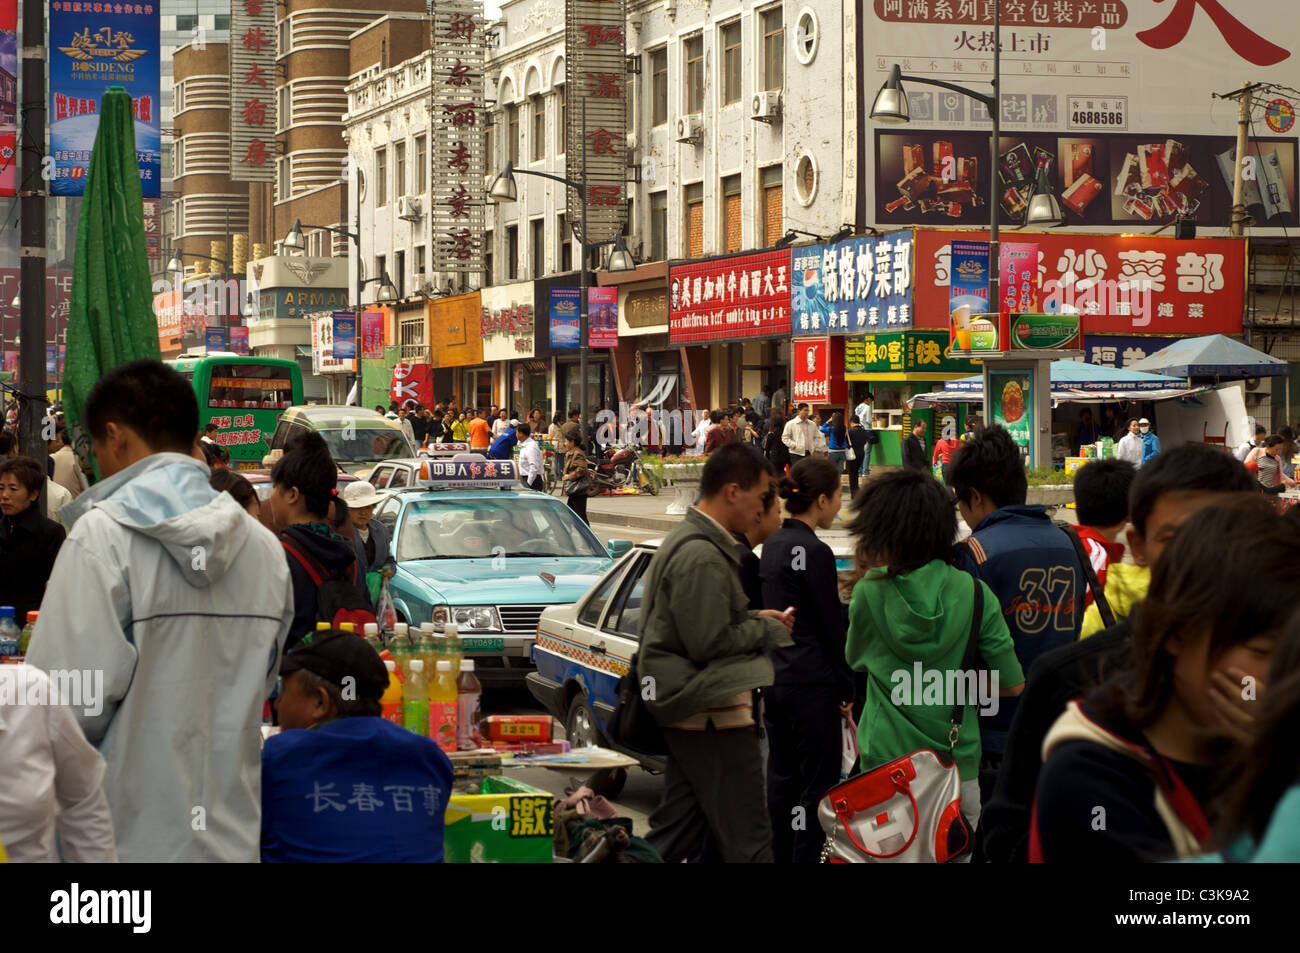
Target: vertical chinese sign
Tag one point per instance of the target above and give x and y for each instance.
(94, 46)
(252, 90)
(459, 120)
(8, 96)
(595, 63)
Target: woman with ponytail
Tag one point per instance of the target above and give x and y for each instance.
(304, 500)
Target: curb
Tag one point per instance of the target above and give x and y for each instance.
(610, 518)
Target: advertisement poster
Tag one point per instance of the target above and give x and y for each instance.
(602, 317)
(565, 321)
(1017, 277)
(8, 96)
(812, 359)
(214, 339)
(721, 299)
(11, 361)
(372, 336)
(413, 382)
(1044, 332)
(345, 335)
(862, 284)
(968, 292)
(902, 352)
(1114, 98)
(93, 47)
(1119, 284)
(1011, 399)
(239, 341)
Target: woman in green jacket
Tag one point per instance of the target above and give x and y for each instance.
(909, 622)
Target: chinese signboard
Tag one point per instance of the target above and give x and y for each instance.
(94, 46)
(1121, 284)
(506, 322)
(743, 296)
(215, 339)
(1109, 96)
(458, 116)
(816, 381)
(323, 360)
(345, 335)
(1043, 332)
(595, 63)
(1017, 277)
(899, 354)
(1011, 401)
(1120, 352)
(602, 317)
(412, 382)
(372, 336)
(565, 318)
(644, 312)
(857, 285)
(252, 90)
(8, 96)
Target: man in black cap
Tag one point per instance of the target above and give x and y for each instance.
(355, 787)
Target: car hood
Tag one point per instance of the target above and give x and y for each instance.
(517, 582)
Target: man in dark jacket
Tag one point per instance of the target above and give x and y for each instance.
(29, 541)
(914, 453)
(703, 652)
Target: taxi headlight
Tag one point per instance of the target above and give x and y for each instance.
(468, 617)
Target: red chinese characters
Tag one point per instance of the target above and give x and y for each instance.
(254, 112)
(604, 194)
(605, 85)
(1244, 41)
(255, 39)
(602, 142)
(255, 74)
(256, 153)
(598, 34)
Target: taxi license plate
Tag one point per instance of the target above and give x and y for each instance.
(483, 645)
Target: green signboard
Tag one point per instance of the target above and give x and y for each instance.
(1011, 400)
(902, 353)
(1039, 332)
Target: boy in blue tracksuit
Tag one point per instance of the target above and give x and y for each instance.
(1029, 563)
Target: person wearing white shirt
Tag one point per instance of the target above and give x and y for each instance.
(1130, 445)
(800, 435)
(501, 424)
(532, 469)
(1243, 452)
(701, 433)
(51, 777)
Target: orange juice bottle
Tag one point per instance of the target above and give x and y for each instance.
(390, 703)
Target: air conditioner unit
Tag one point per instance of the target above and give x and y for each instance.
(690, 129)
(766, 106)
(408, 207)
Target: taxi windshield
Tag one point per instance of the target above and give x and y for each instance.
(357, 445)
(485, 528)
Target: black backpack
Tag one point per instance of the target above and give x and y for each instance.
(338, 598)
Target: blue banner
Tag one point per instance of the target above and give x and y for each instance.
(857, 285)
(1120, 352)
(51, 359)
(94, 46)
(565, 318)
(345, 335)
(215, 339)
(968, 282)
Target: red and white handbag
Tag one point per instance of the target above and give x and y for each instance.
(907, 811)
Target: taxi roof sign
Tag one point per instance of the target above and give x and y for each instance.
(468, 471)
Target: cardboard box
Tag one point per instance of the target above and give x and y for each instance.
(507, 822)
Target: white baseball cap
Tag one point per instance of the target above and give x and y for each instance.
(1144, 421)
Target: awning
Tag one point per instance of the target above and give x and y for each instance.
(1212, 355)
(1075, 381)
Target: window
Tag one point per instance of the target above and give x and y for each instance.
(512, 252)
(694, 76)
(625, 616)
(694, 224)
(539, 129)
(489, 274)
(419, 261)
(658, 226)
(769, 203)
(805, 179)
(284, 103)
(562, 123)
(489, 157)
(805, 37)
(185, 24)
(773, 48)
(399, 279)
(512, 134)
(596, 602)
(730, 63)
(565, 257)
(659, 85)
(221, 21)
(421, 164)
(732, 226)
(381, 177)
(538, 228)
(387, 513)
(282, 178)
(630, 101)
(399, 173)
(400, 477)
(381, 265)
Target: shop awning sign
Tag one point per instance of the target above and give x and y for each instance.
(860, 284)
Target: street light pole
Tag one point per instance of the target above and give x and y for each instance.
(995, 268)
(582, 279)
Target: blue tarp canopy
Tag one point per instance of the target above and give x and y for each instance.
(1212, 355)
(1074, 381)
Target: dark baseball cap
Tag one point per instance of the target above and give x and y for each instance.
(335, 655)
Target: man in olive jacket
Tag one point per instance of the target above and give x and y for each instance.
(703, 652)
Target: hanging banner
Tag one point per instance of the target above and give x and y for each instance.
(968, 293)
(739, 296)
(602, 317)
(595, 72)
(345, 335)
(1018, 277)
(8, 96)
(239, 341)
(458, 115)
(51, 360)
(214, 339)
(565, 321)
(413, 382)
(252, 90)
(93, 47)
(862, 284)
(372, 336)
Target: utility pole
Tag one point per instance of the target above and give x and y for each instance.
(32, 407)
(1237, 223)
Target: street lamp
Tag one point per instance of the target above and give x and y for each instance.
(294, 241)
(387, 291)
(1043, 209)
(177, 265)
(504, 189)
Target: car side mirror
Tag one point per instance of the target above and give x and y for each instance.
(618, 547)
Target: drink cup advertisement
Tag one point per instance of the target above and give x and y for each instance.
(968, 290)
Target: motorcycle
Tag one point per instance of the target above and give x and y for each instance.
(622, 468)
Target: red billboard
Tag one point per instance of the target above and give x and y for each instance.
(819, 371)
(1118, 284)
(739, 296)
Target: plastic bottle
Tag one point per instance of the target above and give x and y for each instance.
(10, 636)
(469, 692)
(399, 646)
(455, 651)
(424, 650)
(25, 639)
(442, 708)
(415, 700)
(390, 703)
(372, 637)
(347, 627)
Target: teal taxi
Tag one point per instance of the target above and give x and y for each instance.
(476, 547)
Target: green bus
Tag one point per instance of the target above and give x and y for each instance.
(244, 397)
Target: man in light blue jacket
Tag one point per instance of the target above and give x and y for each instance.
(174, 604)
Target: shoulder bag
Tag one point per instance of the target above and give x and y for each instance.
(907, 811)
(1090, 574)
